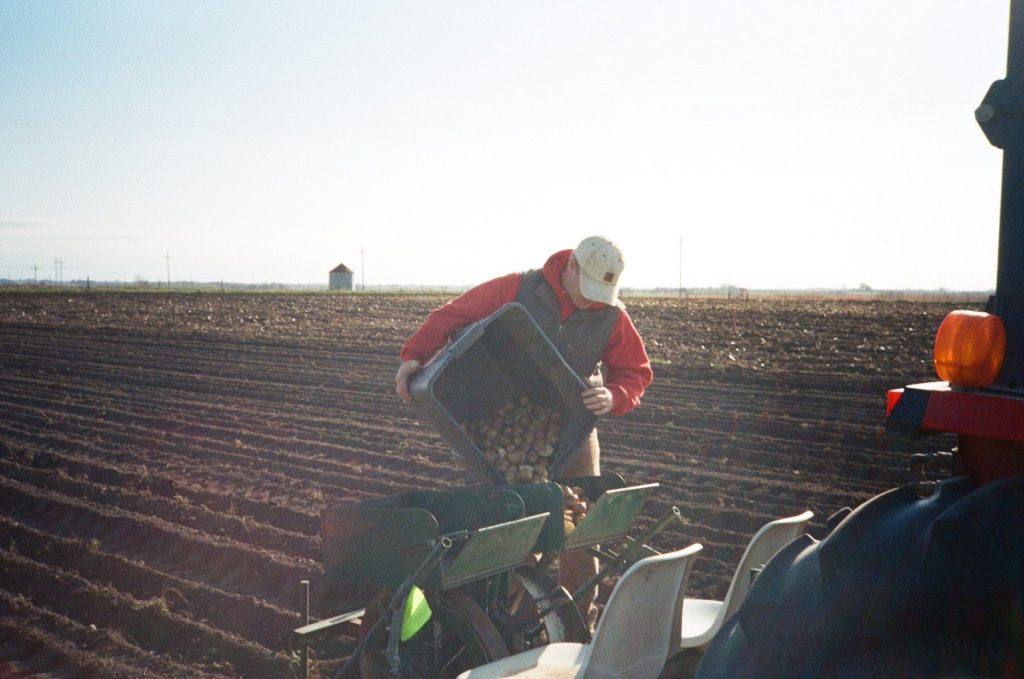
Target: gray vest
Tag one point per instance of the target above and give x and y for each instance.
(583, 336)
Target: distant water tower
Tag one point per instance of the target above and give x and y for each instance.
(341, 278)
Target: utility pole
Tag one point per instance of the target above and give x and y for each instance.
(680, 267)
(168, 258)
(35, 274)
(58, 270)
(362, 266)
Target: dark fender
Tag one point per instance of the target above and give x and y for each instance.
(903, 587)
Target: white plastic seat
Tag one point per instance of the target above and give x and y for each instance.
(702, 618)
(633, 635)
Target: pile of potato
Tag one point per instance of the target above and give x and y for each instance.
(518, 439)
(576, 506)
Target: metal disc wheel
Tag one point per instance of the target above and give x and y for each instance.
(518, 616)
(459, 637)
(472, 638)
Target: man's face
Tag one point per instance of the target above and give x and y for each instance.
(571, 283)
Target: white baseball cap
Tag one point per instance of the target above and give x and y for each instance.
(600, 263)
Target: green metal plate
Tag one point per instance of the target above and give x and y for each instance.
(375, 545)
(610, 517)
(544, 498)
(492, 550)
(469, 508)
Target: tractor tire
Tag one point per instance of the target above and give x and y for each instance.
(905, 586)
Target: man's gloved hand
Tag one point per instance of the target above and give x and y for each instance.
(598, 400)
(405, 371)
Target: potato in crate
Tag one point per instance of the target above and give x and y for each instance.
(504, 399)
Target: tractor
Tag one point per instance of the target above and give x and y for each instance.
(925, 580)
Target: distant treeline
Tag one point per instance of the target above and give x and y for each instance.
(722, 292)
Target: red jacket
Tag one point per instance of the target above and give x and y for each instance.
(624, 357)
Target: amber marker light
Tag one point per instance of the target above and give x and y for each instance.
(969, 348)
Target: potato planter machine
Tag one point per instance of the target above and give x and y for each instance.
(460, 574)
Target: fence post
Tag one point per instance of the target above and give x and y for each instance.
(304, 651)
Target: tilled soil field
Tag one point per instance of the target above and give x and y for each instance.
(165, 457)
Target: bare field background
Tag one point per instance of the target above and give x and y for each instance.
(165, 455)
(723, 292)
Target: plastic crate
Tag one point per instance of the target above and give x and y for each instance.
(495, 360)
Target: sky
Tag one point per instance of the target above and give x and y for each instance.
(785, 144)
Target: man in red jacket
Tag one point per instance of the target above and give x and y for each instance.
(575, 300)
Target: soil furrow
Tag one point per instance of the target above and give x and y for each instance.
(174, 510)
(37, 642)
(222, 493)
(180, 551)
(176, 450)
(155, 435)
(148, 624)
(243, 616)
